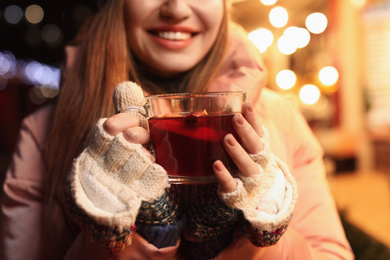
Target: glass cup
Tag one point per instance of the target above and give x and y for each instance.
(187, 130)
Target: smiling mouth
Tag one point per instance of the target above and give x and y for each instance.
(173, 36)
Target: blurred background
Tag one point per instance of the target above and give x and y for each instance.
(330, 58)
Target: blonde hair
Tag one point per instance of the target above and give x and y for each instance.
(103, 61)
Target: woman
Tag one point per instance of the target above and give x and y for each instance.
(165, 46)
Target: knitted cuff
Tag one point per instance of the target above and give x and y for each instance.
(163, 211)
(208, 216)
(114, 239)
(263, 238)
(162, 235)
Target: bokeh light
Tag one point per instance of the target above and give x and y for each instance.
(36, 96)
(299, 37)
(268, 2)
(328, 75)
(7, 64)
(34, 14)
(286, 79)
(13, 14)
(278, 17)
(285, 46)
(316, 23)
(262, 38)
(40, 74)
(52, 34)
(309, 94)
(359, 3)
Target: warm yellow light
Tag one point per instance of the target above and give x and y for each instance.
(328, 75)
(285, 46)
(34, 14)
(309, 94)
(286, 79)
(358, 3)
(269, 2)
(262, 38)
(303, 37)
(298, 37)
(316, 23)
(278, 17)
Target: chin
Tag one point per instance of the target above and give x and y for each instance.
(173, 71)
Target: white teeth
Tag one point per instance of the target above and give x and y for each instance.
(174, 35)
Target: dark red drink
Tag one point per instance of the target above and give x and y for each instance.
(189, 145)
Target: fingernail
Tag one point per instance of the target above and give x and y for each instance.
(231, 140)
(240, 119)
(250, 107)
(218, 166)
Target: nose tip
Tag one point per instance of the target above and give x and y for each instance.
(175, 10)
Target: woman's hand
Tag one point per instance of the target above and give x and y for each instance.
(128, 124)
(265, 191)
(249, 129)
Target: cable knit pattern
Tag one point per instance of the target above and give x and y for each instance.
(111, 180)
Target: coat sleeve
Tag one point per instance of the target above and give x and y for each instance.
(315, 230)
(22, 209)
(22, 200)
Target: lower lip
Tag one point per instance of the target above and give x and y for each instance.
(171, 44)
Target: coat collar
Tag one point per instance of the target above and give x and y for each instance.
(242, 68)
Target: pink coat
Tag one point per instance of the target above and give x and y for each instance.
(315, 231)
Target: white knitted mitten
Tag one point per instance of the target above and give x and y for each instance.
(112, 176)
(267, 200)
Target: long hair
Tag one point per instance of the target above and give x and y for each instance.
(103, 60)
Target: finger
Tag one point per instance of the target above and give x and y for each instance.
(119, 122)
(137, 135)
(240, 157)
(226, 181)
(248, 136)
(149, 155)
(252, 118)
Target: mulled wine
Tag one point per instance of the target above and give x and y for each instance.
(189, 145)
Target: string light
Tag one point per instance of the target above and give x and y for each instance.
(34, 14)
(52, 34)
(13, 14)
(269, 2)
(316, 23)
(262, 38)
(286, 79)
(359, 3)
(309, 94)
(285, 46)
(299, 37)
(328, 75)
(278, 17)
